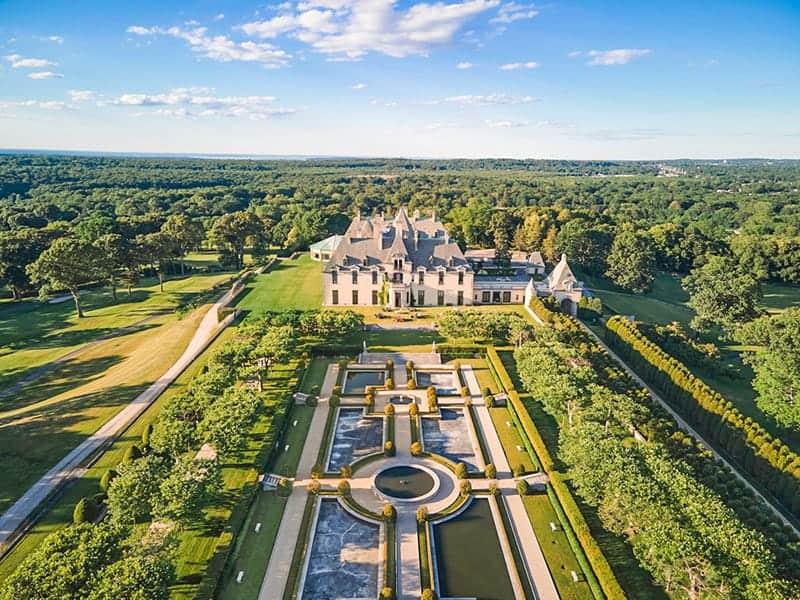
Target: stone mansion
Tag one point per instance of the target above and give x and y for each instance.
(410, 261)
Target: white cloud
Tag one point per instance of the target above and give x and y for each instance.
(519, 65)
(20, 62)
(82, 95)
(44, 75)
(464, 65)
(620, 56)
(359, 86)
(219, 17)
(56, 39)
(575, 53)
(437, 126)
(350, 29)
(505, 124)
(43, 104)
(512, 11)
(476, 100)
(200, 102)
(220, 47)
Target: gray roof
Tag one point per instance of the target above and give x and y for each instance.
(374, 241)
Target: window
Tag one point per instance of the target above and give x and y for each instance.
(421, 277)
(461, 278)
(334, 277)
(374, 280)
(355, 277)
(440, 297)
(374, 297)
(335, 297)
(355, 296)
(506, 297)
(421, 298)
(441, 277)
(486, 297)
(397, 277)
(460, 298)
(496, 297)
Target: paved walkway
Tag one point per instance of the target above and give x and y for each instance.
(531, 551)
(14, 519)
(280, 562)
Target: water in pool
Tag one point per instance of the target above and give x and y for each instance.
(356, 382)
(404, 482)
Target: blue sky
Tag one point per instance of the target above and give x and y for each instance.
(472, 78)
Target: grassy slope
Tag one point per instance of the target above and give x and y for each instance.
(36, 436)
(33, 334)
(288, 284)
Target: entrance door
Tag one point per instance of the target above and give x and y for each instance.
(397, 301)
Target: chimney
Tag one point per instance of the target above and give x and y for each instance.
(446, 236)
(416, 239)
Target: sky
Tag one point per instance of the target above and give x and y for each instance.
(458, 78)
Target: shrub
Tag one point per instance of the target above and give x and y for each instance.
(413, 409)
(422, 514)
(344, 488)
(387, 593)
(464, 391)
(489, 401)
(342, 365)
(132, 453)
(461, 471)
(493, 489)
(334, 401)
(457, 365)
(523, 489)
(389, 383)
(487, 392)
(389, 409)
(416, 449)
(389, 365)
(284, 489)
(337, 390)
(370, 401)
(317, 470)
(106, 479)
(412, 384)
(428, 594)
(389, 513)
(146, 435)
(465, 487)
(388, 448)
(518, 470)
(314, 487)
(86, 511)
(489, 471)
(346, 471)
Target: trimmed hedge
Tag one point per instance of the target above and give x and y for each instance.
(743, 440)
(599, 574)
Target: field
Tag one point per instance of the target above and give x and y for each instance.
(288, 284)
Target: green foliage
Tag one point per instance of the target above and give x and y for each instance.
(191, 485)
(422, 514)
(388, 448)
(106, 479)
(465, 487)
(389, 512)
(632, 260)
(479, 325)
(490, 471)
(132, 453)
(416, 449)
(721, 293)
(346, 471)
(344, 488)
(461, 471)
(135, 492)
(86, 511)
(523, 489)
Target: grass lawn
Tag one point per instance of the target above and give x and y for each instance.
(60, 513)
(288, 284)
(557, 552)
(77, 398)
(33, 334)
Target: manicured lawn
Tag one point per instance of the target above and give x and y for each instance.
(557, 552)
(510, 439)
(33, 334)
(74, 400)
(288, 284)
(60, 513)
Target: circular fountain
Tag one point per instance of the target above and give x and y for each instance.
(406, 483)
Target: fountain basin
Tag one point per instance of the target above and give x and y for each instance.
(406, 483)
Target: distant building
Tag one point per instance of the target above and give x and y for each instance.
(324, 249)
(411, 261)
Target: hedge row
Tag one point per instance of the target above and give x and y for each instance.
(600, 568)
(460, 350)
(222, 561)
(745, 441)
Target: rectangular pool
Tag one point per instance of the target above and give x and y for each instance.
(449, 437)
(445, 382)
(354, 436)
(357, 382)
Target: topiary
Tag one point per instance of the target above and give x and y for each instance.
(146, 435)
(389, 383)
(422, 514)
(132, 453)
(387, 593)
(489, 471)
(464, 391)
(314, 487)
(465, 487)
(518, 470)
(344, 487)
(388, 448)
(86, 511)
(411, 384)
(461, 471)
(346, 471)
(416, 449)
(389, 513)
(523, 489)
(389, 409)
(106, 479)
(316, 471)
(428, 594)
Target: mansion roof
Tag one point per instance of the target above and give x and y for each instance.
(377, 241)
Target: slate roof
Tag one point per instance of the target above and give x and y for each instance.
(329, 243)
(375, 241)
(561, 278)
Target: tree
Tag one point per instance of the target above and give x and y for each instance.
(186, 234)
(233, 231)
(585, 245)
(501, 225)
(529, 236)
(632, 260)
(276, 346)
(776, 364)
(67, 264)
(190, 486)
(157, 248)
(114, 250)
(550, 245)
(227, 421)
(18, 249)
(722, 294)
(134, 492)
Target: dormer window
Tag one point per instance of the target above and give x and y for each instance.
(421, 274)
(398, 264)
(441, 277)
(461, 278)
(334, 277)
(450, 261)
(374, 278)
(364, 261)
(355, 277)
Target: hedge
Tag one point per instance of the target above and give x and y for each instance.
(460, 350)
(598, 571)
(743, 440)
